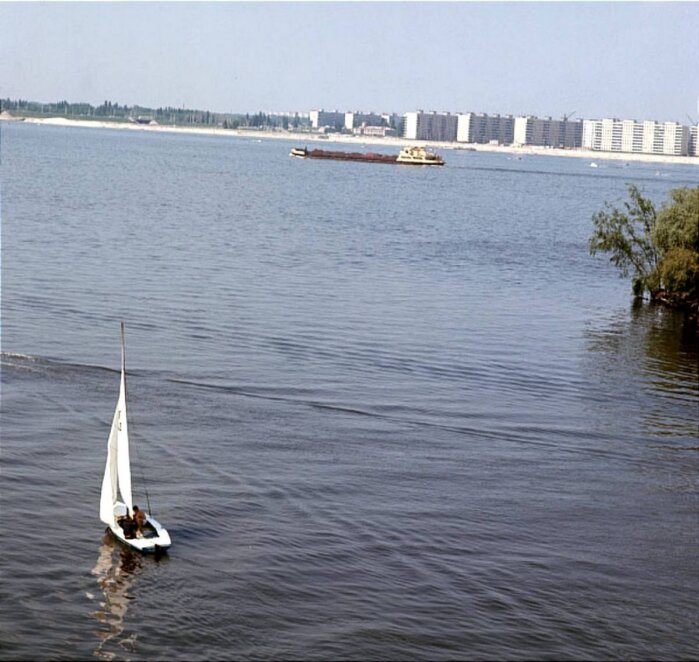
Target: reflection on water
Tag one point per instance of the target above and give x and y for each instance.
(116, 569)
(650, 358)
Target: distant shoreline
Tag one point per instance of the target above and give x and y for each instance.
(360, 141)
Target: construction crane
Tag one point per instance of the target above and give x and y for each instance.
(567, 116)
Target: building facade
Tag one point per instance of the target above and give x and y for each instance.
(374, 131)
(356, 119)
(610, 135)
(693, 144)
(435, 126)
(547, 132)
(332, 119)
(614, 135)
(483, 128)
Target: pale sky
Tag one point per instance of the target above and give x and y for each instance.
(599, 59)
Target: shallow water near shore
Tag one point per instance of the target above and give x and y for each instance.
(385, 412)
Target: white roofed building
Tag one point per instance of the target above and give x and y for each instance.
(649, 137)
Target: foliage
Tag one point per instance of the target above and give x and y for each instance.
(679, 272)
(677, 237)
(628, 235)
(678, 222)
(660, 248)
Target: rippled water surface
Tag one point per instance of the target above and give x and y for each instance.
(385, 412)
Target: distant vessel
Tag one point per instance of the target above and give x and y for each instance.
(298, 152)
(372, 157)
(418, 156)
(407, 156)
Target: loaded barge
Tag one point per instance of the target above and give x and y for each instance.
(407, 156)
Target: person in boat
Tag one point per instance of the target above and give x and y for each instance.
(128, 525)
(139, 518)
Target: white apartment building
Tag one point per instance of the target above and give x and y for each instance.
(430, 126)
(547, 132)
(330, 118)
(483, 128)
(613, 135)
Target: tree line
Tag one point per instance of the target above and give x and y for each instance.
(164, 115)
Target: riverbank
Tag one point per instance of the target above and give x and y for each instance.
(358, 142)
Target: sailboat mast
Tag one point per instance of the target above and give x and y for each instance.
(124, 463)
(123, 365)
(123, 352)
(123, 381)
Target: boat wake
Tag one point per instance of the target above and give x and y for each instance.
(32, 362)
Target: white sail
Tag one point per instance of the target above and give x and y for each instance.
(117, 471)
(109, 482)
(123, 464)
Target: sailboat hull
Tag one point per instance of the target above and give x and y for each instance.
(156, 538)
(145, 545)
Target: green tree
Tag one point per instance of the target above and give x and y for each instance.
(627, 234)
(677, 237)
(661, 248)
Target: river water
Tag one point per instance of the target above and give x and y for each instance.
(385, 412)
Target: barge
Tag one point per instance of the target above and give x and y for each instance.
(407, 156)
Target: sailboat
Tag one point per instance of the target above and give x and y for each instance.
(115, 513)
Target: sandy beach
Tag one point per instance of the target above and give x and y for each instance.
(359, 142)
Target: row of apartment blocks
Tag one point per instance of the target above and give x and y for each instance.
(610, 135)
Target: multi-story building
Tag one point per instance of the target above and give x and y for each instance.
(613, 135)
(430, 126)
(591, 134)
(332, 119)
(356, 119)
(547, 132)
(395, 121)
(693, 144)
(483, 128)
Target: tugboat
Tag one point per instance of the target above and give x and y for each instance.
(418, 156)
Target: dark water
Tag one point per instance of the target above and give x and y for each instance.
(385, 413)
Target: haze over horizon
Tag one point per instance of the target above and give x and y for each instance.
(597, 59)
